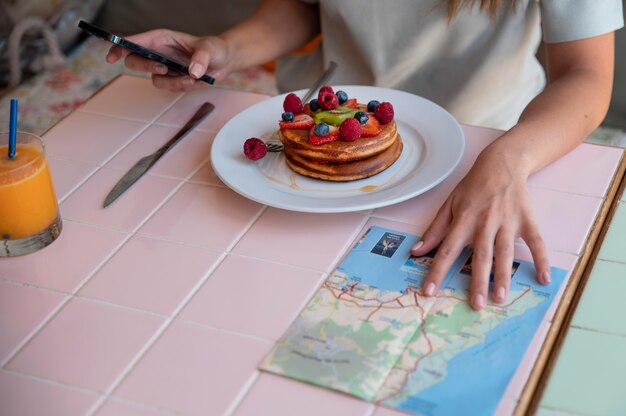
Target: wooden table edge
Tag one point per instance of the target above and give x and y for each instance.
(548, 354)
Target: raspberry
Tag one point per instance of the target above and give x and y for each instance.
(384, 112)
(293, 104)
(254, 148)
(350, 130)
(326, 88)
(327, 100)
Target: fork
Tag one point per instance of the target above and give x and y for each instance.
(273, 143)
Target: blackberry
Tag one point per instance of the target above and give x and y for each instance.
(287, 116)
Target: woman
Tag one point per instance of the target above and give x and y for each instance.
(476, 58)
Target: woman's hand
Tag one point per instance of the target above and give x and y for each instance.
(487, 210)
(205, 55)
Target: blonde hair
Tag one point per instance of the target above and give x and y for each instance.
(492, 6)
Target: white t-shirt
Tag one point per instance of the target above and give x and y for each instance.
(483, 71)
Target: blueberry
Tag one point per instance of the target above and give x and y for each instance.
(321, 129)
(314, 105)
(361, 117)
(371, 106)
(287, 116)
(342, 96)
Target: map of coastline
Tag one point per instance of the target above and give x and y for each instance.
(370, 333)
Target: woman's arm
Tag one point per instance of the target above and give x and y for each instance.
(277, 27)
(491, 207)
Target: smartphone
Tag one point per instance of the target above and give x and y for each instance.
(139, 50)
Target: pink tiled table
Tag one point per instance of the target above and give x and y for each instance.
(165, 302)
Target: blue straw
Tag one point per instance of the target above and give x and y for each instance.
(13, 129)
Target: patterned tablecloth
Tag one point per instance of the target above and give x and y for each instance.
(50, 96)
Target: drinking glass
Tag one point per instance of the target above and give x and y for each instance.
(29, 212)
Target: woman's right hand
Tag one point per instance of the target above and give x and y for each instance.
(205, 55)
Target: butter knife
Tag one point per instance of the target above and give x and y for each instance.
(146, 162)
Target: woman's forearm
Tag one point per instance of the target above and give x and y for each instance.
(573, 104)
(277, 27)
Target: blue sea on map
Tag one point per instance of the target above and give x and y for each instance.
(478, 377)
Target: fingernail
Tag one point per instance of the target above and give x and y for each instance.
(196, 70)
(189, 81)
(545, 277)
(500, 293)
(479, 301)
(429, 290)
(160, 69)
(417, 245)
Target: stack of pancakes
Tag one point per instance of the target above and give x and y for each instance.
(339, 160)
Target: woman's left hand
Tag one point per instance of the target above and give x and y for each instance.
(487, 210)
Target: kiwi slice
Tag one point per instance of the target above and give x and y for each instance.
(335, 117)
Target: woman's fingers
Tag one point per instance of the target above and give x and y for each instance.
(530, 234)
(138, 63)
(503, 259)
(482, 260)
(175, 82)
(447, 254)
(435, 232)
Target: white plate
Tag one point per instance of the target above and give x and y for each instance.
(433, 145)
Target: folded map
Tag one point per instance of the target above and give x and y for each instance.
(369, 332)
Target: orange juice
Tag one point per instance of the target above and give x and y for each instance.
(27, 201)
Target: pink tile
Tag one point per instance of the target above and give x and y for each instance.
(128, 279)
(476, 139)
(310, 240)
(21, 395)
(206, 176)
(518, 382)
(423, 208)
(564, 219)
(90, 137)
(68, 174)
(586, 170)
(131, 97)
(22, 309)
(278, 396)
(227, 103)
(387, 411)
(116, 407)
(86, 344)
(180, 162)
(128, 211)
(67, 262)
(194, 370)
(195, 215)
(240, 281)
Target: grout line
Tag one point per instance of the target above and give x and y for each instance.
(371, 409)
(144, 406)
(158, 333)
(563, 411)
(226, 330)
(598, 331)
(623, 263)
(57, 310)
(51, 382)
(243, 393)
(119, 150)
